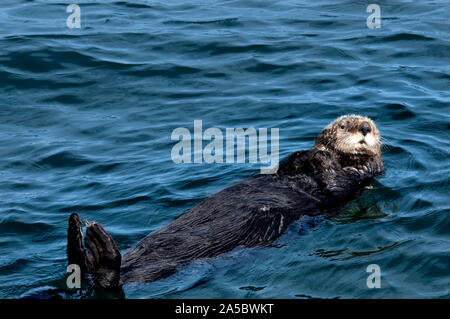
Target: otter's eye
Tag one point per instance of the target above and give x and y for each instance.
(343, 126)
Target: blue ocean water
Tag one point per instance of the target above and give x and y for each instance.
(86, 117)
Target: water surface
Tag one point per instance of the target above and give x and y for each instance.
(86, 117)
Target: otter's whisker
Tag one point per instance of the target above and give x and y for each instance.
(384, 139)
(386, 147)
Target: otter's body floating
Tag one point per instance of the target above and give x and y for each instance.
(345, 158)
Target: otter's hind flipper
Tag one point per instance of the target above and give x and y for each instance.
(102, 256)
(75, 248)
(100, 259)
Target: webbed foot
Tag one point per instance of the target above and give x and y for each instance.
(99, 258)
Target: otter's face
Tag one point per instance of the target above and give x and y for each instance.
(351, 134)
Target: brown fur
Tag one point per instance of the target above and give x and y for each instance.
(254, 212)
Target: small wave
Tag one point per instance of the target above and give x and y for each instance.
(63, 159)
(174, 71)
(351, 254)
(64, 99)
(227, 22)
(252, 288)
(133, 5)
(14, 266)
(14, 226)
(399, 112)
(406, 37)
(99, 207)
(105, 168)
(78, 208)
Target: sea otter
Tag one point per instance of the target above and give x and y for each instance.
(345, 158)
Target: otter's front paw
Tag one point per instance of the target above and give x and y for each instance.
(374, 168)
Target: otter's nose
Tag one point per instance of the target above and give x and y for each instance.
(365, 128)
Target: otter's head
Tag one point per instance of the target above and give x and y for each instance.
(351, 135)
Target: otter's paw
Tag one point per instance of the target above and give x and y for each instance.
(75, 248)
(103, 257)
(99, 258)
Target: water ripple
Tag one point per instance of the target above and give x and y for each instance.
(86, 117)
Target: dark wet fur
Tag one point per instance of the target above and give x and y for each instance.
(254, 212)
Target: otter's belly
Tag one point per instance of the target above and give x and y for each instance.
(251, 213)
